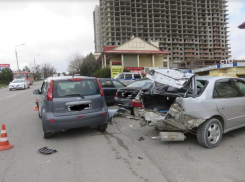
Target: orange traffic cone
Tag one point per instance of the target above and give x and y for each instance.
(35, 108)
(4, 143)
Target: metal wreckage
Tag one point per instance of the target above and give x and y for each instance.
(170, 106)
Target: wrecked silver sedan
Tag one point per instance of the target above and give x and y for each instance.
(182, 103)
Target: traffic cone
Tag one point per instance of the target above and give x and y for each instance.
(4, 143)
(35, 108)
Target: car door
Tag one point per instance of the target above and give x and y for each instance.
(42, 96)
(230, 102)
(109, 90)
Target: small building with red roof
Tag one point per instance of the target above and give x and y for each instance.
(135, 53)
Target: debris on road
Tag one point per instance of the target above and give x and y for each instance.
(45, 150)
(140, 158)
(141, 138)
(133, 131)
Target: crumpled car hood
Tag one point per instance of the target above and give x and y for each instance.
(171, 77)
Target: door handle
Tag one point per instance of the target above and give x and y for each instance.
(223, 108)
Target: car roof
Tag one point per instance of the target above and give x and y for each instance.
(68, 77)
(212, 77)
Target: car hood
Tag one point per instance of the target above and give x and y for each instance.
(171, 77)
(21, 83)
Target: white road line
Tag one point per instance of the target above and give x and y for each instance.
(10, 96)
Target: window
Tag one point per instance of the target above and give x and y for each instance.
(67, 88)
(241, 86)
(121, 76)
(117, 84)
(107, 84)
(225, 89)
(137, 76)
(128, 76)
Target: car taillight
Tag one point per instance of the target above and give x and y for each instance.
(136, 103)
(101, 90)
(50, 91)
(116, 95)
(75, 79)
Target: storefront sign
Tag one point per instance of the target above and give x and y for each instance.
(116, 63)
(134, 68)
(226, 65)
(115, 70)
(228, 61)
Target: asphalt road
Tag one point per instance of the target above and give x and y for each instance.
(86, 154)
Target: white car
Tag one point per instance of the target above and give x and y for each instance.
(18, 84)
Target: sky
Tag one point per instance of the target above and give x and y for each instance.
(58, 29)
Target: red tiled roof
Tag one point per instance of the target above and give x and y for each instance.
(242, 26)
(108, 48)
(136, 52)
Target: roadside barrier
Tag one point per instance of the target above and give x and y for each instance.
(4, 143)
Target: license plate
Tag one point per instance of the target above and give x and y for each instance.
(80, 107)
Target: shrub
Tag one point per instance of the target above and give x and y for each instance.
(103, 73)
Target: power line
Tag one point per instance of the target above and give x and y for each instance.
(13, 54)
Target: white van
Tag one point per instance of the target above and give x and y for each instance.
(127, 77)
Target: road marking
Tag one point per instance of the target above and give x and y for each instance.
(10, 96)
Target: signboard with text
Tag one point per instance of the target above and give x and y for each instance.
(115, 70)
(4, 65)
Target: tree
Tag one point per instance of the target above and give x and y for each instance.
(27, 69)
(64, 74)
(6, 74)
(48, 70)
(75, 63)
(89, 66)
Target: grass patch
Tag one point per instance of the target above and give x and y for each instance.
(3, 85)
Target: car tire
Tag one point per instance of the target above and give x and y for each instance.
(24, 87)
(47, 135)
(102, 127)
(10, 89)
(209, 133)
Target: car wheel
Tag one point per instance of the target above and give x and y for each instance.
(102, 127)
(47, 135)
(24, 87)
(209, 134)
(10, 89)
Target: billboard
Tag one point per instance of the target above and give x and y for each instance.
(2, 66)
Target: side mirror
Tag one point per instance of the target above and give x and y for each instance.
(36, 92)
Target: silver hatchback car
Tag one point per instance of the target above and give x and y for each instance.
(67, 102)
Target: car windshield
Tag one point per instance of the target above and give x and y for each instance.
(145, 84)
(66, 88)
(17, 81)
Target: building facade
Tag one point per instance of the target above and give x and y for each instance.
(189, 30)
(97, 29)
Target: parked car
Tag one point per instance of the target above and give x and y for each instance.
(124, 96)
(127, 77)
(206, 106)
(18, 84)
(110, 87)
(67, 102)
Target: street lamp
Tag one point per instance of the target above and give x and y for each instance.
(17, 56)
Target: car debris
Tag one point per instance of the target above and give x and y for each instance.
(141, 138)
(45, 150)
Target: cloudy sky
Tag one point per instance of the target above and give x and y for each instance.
(57, 29)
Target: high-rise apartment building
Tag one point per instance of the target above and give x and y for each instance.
(188, 29)
(97, 29)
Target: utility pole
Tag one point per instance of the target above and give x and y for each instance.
(17, 57)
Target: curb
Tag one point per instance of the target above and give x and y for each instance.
(2, 87)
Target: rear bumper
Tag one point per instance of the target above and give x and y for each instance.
(125, 103)
(69, 122)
